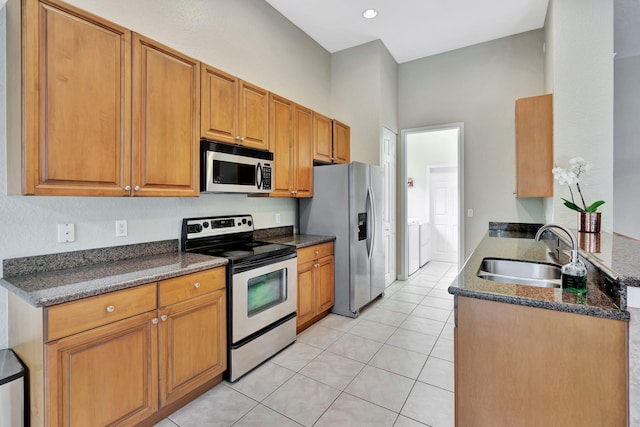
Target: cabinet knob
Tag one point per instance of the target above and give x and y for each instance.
(163, 317)
(238, 138)
(154, 321)
(110, 309)
(196, 285)
(136, 188)
(128, 188)
(316, 252)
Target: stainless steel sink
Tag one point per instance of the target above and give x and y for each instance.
(521, 272)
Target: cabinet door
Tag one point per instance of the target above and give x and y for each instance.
(253, 116)
(306, 293)
(303, 151)
(77, 114)
(341, 142)
(166, 123)
(534, 146)
(219, 120)
(322, 138)
(193, 344)
(281, 135)
(324, 284)
(104, 376)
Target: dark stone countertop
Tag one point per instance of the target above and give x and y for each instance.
(596, 303)
(300, 240)
(118, 269)
(285, 236)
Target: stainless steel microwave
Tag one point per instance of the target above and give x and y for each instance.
(227, 168)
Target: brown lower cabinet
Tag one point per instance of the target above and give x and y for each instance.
(132, 365)
(316, 292)
(525, 366)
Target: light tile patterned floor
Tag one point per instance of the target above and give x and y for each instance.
(392, 366)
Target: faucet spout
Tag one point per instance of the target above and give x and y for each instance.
(574, 240)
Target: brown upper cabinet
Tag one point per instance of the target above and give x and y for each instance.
(322, 138)
(78, 91)
(534, 146)
(233, 110)
(166, 103)
(77, 102)
(291, 135)
(341, 142)
(331, 140)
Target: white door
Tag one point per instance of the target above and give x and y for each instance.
(443, 210)
(389, 208)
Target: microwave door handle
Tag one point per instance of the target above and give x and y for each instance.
(259, 175)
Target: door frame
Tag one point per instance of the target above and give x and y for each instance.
(403, 229)
(394, 176)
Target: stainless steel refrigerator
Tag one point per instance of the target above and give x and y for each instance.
(347, 203)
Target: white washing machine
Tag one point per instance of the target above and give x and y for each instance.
(414, 245)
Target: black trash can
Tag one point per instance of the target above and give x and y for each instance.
(12, 390)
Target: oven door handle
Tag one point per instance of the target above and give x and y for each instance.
(262, 262)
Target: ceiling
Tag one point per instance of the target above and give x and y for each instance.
(412, 29)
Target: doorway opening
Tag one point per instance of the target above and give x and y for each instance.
(433, 168)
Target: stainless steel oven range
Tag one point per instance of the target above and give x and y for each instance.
(261, 288)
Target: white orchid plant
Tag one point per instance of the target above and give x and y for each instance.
(577, 167)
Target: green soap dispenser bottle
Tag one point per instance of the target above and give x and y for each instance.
(574, 274)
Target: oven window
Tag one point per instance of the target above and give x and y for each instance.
(233, 173)
(266, 291)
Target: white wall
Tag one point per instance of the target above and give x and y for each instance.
(426, 149)
(582, 79)
(364, 95)
(626, 150)
(247, 38)
(478, 86)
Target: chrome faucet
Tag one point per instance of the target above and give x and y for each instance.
(574, 274)
(574, 240)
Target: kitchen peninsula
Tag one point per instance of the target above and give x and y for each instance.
(539, 354)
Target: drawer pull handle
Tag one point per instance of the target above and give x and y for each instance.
(163, 317)
(110, 309)
(196, 285)
(154, 321)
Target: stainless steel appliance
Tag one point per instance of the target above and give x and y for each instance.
(226, 168)
(346, 203)
(261, 288)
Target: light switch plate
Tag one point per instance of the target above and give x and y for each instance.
(66, 233)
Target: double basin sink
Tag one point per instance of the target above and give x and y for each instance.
(521, 272)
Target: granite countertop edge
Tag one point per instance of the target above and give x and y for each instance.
(300, 240)
(622, 315)
(87, 281)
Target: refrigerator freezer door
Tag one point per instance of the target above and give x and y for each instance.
(378, 256)
(360, 289)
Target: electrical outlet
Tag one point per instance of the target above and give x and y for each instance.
(66, 233)
(121, 228)
(470, 213)
(277, 218)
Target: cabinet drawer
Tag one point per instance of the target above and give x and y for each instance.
(314, 252)
(76, 316)
(182, 288)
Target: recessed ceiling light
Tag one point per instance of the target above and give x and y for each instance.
(370, 13)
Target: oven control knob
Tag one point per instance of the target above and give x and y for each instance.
(197, 228)
(249, 223)
(244, 220)
(205, 224)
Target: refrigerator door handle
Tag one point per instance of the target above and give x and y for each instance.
(367, 208)
(374, 224)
